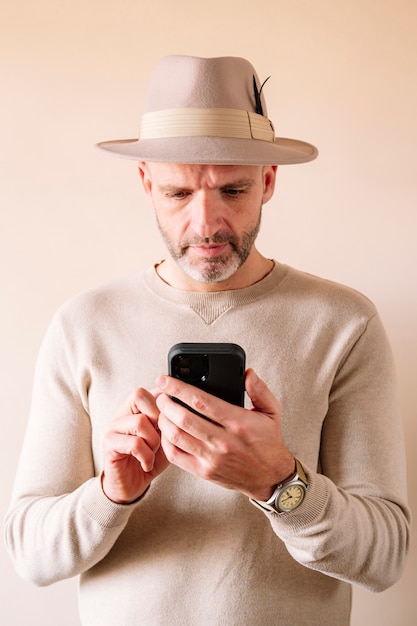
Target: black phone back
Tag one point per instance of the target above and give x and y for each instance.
(217, 368)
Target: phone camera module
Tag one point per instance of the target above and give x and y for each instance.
(192, 368)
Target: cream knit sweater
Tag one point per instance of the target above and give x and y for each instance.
(190, 553)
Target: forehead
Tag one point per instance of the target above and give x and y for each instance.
(186, 174)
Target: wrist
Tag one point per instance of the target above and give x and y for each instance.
(288, 495)
(117, 498)
(287, 471)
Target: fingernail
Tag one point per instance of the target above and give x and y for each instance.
(162, 382)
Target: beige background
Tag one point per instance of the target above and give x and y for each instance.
(344, 76)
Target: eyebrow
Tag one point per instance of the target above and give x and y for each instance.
(243, 182)
(169, 187)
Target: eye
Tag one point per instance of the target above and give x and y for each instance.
(233, 193)
(178, 195)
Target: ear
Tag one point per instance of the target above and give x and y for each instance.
(145, 176)
(269, 173)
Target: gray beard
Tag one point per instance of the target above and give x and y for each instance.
(217, 269)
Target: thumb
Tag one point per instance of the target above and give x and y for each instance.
(262, 398)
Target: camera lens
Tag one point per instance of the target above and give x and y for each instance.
(184, 367)
(192, 368)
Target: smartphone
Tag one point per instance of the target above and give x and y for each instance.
(217, 368)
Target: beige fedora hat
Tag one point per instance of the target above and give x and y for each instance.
(208, 110)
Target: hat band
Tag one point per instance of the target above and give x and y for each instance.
(193, 122)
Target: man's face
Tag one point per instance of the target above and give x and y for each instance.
(208, 215)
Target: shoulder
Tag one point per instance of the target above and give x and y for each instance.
(317, 293)
(105, 300)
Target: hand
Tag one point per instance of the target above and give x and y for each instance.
(239, 449)
(133, 456)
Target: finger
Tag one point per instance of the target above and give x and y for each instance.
(196, 400)
(120, 446)
(141, 401)
(155, 392)
(189, 452)
(135, 427)
(262, 398)
(185, 430)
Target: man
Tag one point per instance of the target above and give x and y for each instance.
(265, 514)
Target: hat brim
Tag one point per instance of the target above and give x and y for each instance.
(213, 150)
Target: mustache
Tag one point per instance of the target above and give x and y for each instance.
(220, 237)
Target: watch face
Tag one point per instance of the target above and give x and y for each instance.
(291, 497)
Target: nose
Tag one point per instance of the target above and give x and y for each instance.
(206, 214)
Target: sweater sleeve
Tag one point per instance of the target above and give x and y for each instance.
(354, 522)
(59, 523)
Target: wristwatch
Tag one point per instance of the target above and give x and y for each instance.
(288, 495)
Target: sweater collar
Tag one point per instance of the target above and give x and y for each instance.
(210, 305)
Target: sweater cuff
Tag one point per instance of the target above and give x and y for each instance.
(102, 510)
(314, 503)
